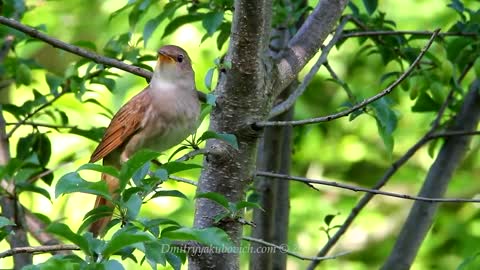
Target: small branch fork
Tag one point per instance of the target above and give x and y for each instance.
(360, 105)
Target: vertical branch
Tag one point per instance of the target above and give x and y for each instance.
(421, 215)
(11, 208)
(274, 154)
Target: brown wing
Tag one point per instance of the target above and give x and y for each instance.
(124, 124)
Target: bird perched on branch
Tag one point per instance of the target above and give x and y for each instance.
(159, 117)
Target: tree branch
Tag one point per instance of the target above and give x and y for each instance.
(307, 41)
(362, 104)
(389, 173)
(368, 190)
(421, 215)
(74, 49)
(285, 105)
(36, 124)
(37, 249)
(291, 253)
(347, 34)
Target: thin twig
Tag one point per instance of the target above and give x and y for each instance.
(36, 124)
(285, 105)
(362, 189)
(183, 180)
(454, 133)
(37, 249)
(346, 34)
(192, 154)
(362, 104)
(342, 83)
(291, 253)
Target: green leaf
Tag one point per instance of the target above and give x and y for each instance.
(152, 225)
(65, 232)
(174, 260)
(224, 34)
(4, 222)
(208, 78)
(425, 103)
(152, 24)
(133, 206)
(155, 251)
(99, 168)
(21, 187)
(23, 75)
(134, 163)
(53, 82)
(113, 265)
(216, 197)
(94, 134)
(228, 138)
(175, 166)
(328, 219)
(470, 263)
(179, 21)
(247, 205)
(161, 174)
(386, 137)
(211, 236)
(385, 115)
(94, 215)
(169, 193)
(455, 48)
(211, 99)
(124, 239)
(72, 182)
(212, 21)
(370, 6)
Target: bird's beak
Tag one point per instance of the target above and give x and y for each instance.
(163, 57)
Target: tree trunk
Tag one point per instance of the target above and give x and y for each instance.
(271, 222)
(422, 214)
(245, 93)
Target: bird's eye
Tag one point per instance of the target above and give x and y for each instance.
(180, 58)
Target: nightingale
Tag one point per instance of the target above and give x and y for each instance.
(159, 117)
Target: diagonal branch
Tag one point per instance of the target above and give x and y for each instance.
(307, 41)
(288, 103)
(362, 104)
(37, 250)
(283, 249)
(74, 49)
(404, 32)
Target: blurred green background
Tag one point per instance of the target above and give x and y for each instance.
(344, 151)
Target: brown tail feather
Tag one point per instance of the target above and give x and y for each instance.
(97, 228)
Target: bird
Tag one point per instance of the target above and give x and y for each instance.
(157, 118)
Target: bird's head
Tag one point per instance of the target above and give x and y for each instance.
(173, 65)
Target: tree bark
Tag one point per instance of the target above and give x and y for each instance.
(245, 94)
(271, 222)
(422, 214)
